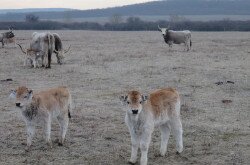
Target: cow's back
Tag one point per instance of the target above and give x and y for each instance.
(163, 101)
(53, 98)
(179, 36)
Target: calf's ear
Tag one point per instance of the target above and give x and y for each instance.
(30, 94)
(12, 94)
(144, 97)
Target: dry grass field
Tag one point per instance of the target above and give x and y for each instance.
(103, 65)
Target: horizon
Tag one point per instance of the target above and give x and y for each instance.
(77, 4)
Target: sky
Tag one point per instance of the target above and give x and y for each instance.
(75, 4)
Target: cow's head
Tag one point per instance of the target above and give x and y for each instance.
(133, 101)
(60, 55)
(163, 30)
(22, 96)
(10, 34)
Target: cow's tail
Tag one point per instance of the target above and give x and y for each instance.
(50, 47)
(191, 43)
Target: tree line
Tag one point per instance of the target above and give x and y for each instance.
(130, 24)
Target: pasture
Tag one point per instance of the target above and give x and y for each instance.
(212, 79)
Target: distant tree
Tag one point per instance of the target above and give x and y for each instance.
(31, 18)
(116, 19)
(177, 18)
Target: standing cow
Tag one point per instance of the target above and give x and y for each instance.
(176, 37)
(7, 36)
(48, 43)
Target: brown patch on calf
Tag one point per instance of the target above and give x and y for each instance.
(134, 96)
(21, 90)
(163, 101)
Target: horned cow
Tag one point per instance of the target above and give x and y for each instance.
(7, 36)
(143, 113)
(48, 43)
(41, 107)
(176, 37)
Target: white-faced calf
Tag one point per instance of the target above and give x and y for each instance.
(143, 113)
(41, 107)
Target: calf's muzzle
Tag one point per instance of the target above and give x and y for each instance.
(135, 111)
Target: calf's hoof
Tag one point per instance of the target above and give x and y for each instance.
(60, 144)
(129, 162)
(27, 148)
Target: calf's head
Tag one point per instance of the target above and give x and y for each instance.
(22, 96)
(133, 102)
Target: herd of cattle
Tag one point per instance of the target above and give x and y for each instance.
(160, 108)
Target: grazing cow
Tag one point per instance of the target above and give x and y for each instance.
(48, 43)
(176, 37)
(143, 113)
(32, 56)
(41, 107)
(4, 37)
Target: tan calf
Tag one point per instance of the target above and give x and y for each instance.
(32, 56)
(161, 108)
(41, 107)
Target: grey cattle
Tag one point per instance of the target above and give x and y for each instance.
(6, 36)
(48, 43)
(176, 37)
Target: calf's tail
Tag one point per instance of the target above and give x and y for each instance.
(69, 115)
(70, 107)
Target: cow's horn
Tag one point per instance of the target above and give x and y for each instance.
(159, 28)
(66, 51)
(22, 49)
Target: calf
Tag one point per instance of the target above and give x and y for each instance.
(161, 108)
(32, 56)
(41, 107)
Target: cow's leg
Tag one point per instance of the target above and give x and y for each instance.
(135, 146)
(63, 122)
(170, 46)
(144, 145)
(49, 59)
(43, 61)
(34, 63)
(30, 133)
(165, 132)
(176, 127)
(25, 62)
(188, 45)
(14, 42)
(47, 130)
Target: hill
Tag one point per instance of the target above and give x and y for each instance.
(155, 8)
